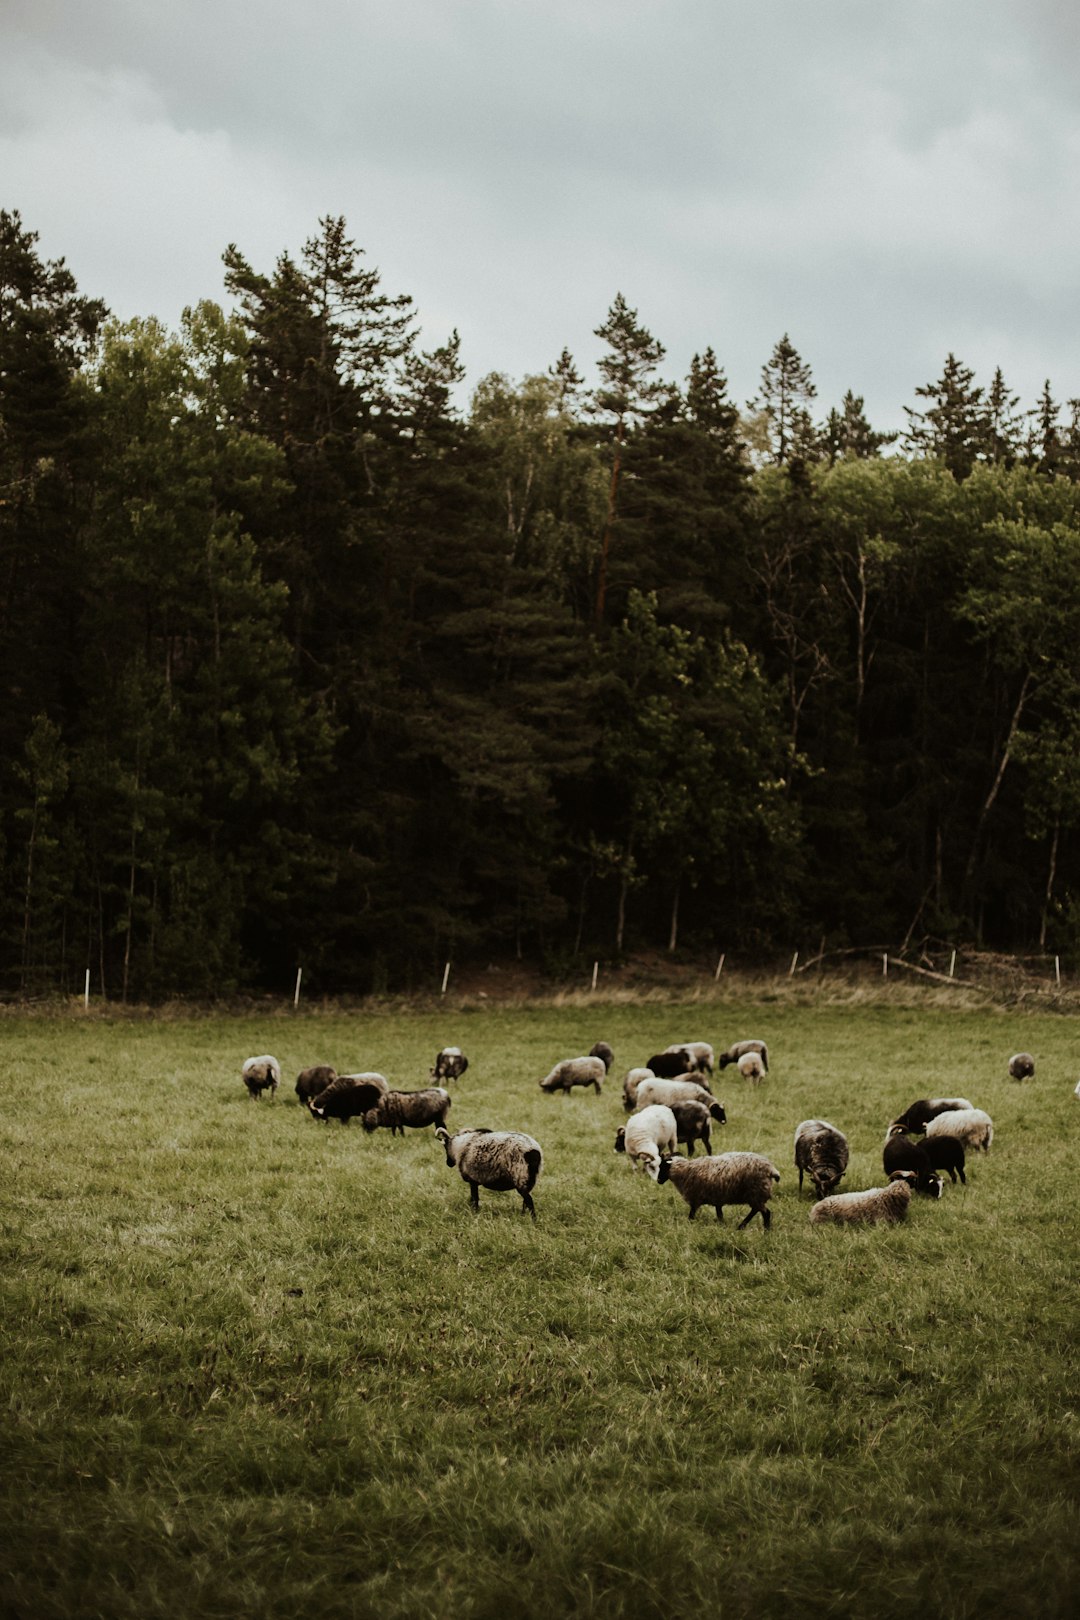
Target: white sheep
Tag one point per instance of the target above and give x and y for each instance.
(579, 1071)
(671, 1091)
(972, 1126)
(1021, 1066)
(739, 1048)
(633, 1079)
(647, 1136)
(875, 1206)
(503, 1161)
(751, 1066)
(920, 1113)
(700, 1053)
(728, 1178)
(261, 1074)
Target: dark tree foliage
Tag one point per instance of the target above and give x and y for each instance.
(306, 664)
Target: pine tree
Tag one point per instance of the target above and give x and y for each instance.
(953, 428)
(1003, 423)
(787, 389)
(1045, 438)
(627, 394)
(848, 435)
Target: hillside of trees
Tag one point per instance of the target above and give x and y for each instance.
(303, 662)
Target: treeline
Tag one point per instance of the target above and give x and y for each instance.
(303, 664)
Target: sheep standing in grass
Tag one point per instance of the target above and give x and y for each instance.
(693, 1123)
(503, 1161)
(604, 1052)
(729, 1178)
(901, 1154)
(751, 1066)
(647, 1136)
(700, 1053)
(945, 1153)
(821, 1151)
(261, 1074)
(667, 1065)
(579, 1071)
(309, 1082)
(876, 1206)
(671, 1091)
(396, 1109)
(634, 1077)
(739, 1049)
(347, 1096)
(972, 1126)
(450, 1064)
(917, 1117)
(1021, 1066)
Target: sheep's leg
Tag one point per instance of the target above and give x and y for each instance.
(963, 1178)
(693, 1211)
(474, 1195)
(762, 1212)
(527, 1204)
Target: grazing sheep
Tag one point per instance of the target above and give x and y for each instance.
(901, 1154)
(1076, 1089)
(729, 1178)
(972, 1126)
(693, 1123)
(876, 1206)
(675, 1061)
(917, 1117)
(309, 1082)
(739, 1048)
(751, 1066)
(347, 1096)
(700, 1053)
(579, 1071)
(261, 1074)
(603, 1051)
(633, 1079)
(946, 1153)
(647, 1136)
(450, 1064)
(822, 1152)
(671, 1091)
(1021, 1066)
(503, 1161)
(396, 1109)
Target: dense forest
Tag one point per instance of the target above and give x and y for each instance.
(305, 661)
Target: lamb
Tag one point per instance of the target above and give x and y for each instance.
(633, 1079)
(822, 1152)
(675, 1061)
(671, 1091)
(945, 1153)
(901, 1154)
(972, 1126)
(916, 1118)
(347, 1096)
(261, 1074)
(397, 1109)
(309, 1082)
(647, 1136)
(1021, 1066)
(739, 1049)
(450, 1064)
(692, 1123)
(700, 1053)
(603, 1051)
(876, 1206)
(729, 1178)
(504, 1161)
(751, 1066)
(579, 1071)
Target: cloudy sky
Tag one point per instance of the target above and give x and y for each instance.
(884, 183)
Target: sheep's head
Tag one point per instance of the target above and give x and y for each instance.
(716, 1111)
(663, 1170)
(620, 1139)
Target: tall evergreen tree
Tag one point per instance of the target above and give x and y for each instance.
(953, 427)
(787, 389)
(848, 435)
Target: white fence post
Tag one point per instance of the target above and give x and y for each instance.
(296, 992)
(445, 979)
(595, 971)
(86, 991)
(720, 965)
(791, 969)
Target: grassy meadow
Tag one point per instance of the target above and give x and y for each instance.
(258, 1367)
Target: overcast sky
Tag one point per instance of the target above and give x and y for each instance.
(883, 183)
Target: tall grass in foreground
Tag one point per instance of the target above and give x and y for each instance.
(257, 1367)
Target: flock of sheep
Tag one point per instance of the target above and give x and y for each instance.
(669, 1100)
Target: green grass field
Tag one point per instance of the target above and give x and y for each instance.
(258, 1367)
